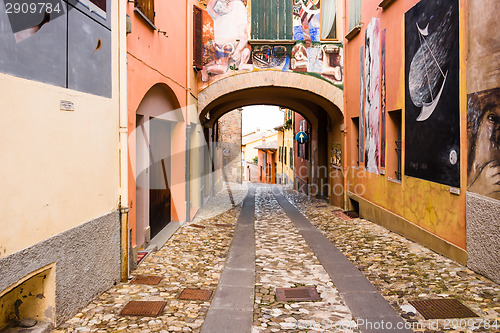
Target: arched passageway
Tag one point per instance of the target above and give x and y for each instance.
(318, 101)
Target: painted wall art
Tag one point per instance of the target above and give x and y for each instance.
(432, 115)
(226, 30)
(483, 100)
(383, 98)
(483, 138)
(227, 47)
(60, 43)
(361, 104)
(372, 95)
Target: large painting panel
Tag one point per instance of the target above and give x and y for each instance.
(432, 114)
(372, 95)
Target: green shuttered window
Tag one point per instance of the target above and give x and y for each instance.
(272, 19)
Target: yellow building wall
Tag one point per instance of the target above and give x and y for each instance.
(59, 168)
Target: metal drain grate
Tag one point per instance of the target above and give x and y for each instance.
(197, 226)
(297, 294)
(143, 308)
(195, 294)
(144, 279)
(442, 309)
(224, 225)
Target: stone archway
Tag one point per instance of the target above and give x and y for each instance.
(314, 98)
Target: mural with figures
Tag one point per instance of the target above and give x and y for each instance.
(372, 95)
(227, 48)
(483, 100)
(432, 115)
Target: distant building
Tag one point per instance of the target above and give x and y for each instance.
(267, 161)
(249, 152)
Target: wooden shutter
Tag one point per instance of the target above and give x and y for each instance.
(197, 38)
(147, 7)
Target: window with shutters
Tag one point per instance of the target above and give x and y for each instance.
(146, 9)
(197, 38)
(272, 19)
(354, 13)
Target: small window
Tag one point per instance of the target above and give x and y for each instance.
(291, 158)
(328, 19)
(284, 157)
(147, 8)
(197, 38)
(354, 13)
(355, 142)
(394, 146)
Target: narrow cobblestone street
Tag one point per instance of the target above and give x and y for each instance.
(195, 256)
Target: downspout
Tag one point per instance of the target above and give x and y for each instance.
(188, 172)
(123, 138)
(188, 121)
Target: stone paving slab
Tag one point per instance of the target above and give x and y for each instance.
(402, 270)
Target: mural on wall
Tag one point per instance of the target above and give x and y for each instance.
(483, 100)
(432, 115)
(336, 157)
(383, 101)
(483, 138)
(306, 21)
(59, 43)
(361, 104)
(372, 95)
(226, 49)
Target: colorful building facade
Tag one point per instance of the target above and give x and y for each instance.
(64, 195)
(286, 137)
(413, 92)
(165, 183)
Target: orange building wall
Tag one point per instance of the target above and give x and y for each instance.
(426, 204)
(154, 58)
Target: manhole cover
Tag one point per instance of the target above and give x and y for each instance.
(195, 294)
(224, 225)
(197, 226)
(143, 308)
(143, 279)
(442, 309)
(352, 214)
(341, 215)
(297, 294)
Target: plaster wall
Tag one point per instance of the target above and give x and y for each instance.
(76, 253)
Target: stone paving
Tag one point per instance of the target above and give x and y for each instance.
(402, 270)
(192, 258)
(283, 259)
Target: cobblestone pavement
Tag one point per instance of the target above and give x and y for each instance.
(192, 258)
(283, 259)
(402, 270)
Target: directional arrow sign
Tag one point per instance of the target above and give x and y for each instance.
(301, 137)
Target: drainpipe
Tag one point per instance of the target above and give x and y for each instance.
(123, 138)
(188, 172)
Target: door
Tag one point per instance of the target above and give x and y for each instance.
(159, 191)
